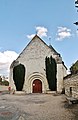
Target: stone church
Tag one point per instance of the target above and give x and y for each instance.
(33, 60)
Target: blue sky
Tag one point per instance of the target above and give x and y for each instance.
(21, 19)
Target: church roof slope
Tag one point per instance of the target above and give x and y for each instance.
(50, 47)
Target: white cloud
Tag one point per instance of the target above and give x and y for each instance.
(41, 31)
(63, 32)
(30, 36)
(6, 58)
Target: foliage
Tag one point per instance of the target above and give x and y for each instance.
(6, 83)
(3, 82)
(76, 2)
(19, 76)
(51, 70)
(0, 80)
(74, 68)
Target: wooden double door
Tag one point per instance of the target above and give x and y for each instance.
(37, 86)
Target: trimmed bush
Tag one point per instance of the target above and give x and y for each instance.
(19, 76)
(51, 70)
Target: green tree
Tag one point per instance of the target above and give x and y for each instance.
(19, 76)
(6, 83)
(74, 68)
(0, 80)
(51, 70)
(76, 2)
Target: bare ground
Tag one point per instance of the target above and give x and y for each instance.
(36, 107)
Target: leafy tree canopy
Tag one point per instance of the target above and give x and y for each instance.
(76, 2)
(6, 83)
(74, 68)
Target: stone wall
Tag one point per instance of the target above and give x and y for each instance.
(33, 58)
(71, 85)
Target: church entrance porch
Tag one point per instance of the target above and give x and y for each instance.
(37, 86)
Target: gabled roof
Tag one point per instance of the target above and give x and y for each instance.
(50, 46)
(36, 36)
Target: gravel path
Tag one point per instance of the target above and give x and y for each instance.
(34, 107)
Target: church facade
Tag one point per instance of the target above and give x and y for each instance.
(33, 60)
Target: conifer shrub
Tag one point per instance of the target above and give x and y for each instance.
(51, 70)
(19, 76)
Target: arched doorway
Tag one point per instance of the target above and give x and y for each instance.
(37, 86)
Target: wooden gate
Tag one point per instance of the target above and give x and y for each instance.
(37, 86)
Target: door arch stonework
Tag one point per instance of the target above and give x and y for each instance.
(30, 80)
(37, 86)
